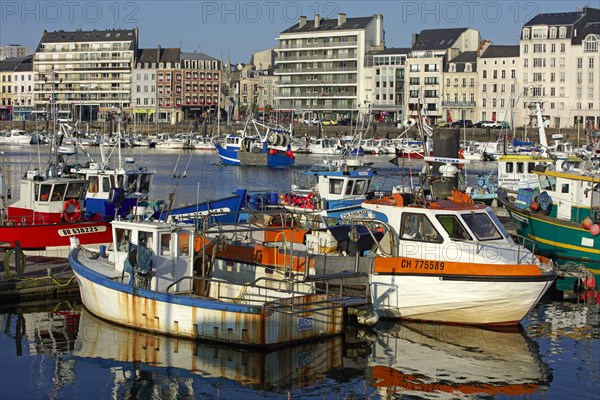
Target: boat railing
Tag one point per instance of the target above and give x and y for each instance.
(291, 298)
(526, 250)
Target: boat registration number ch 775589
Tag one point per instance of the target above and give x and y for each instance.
(81, 230)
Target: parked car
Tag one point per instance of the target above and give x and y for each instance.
(347, 122)
(467, 123)
(443, 124)
(491, 124)
(329, 122)
(479, 124)
(312, 121)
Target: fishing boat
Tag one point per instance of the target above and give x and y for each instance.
(417, 360)
(48, 215)
(260, 149)
(560, 218)
(270, 370)
(433, 260)
(168, 278)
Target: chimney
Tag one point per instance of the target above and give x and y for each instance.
(483, 45)
(415, 37)
(379, 30)
(158, 53)
(301, 21)
(317, 20)
(341, 19)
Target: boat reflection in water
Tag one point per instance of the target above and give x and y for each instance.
(141, 361)
(443, 361)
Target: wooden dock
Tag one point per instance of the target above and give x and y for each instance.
(43, 278)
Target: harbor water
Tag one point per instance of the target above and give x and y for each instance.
(58, 350)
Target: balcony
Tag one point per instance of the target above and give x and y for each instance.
(288, 71)
(460, 104)
(324, 82)
(305, 45)
(316, 57)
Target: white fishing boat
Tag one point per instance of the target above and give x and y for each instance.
(167, 278)
(15, 137)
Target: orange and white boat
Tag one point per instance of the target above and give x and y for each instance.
(442, 261)
(452, 262)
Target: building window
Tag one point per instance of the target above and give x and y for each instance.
(553, 33)
(513, 74)
(503, 74)
(562, 32)
(525, 49)
(579, 62)
(525, 33)
(591, 62)
(590, 44)
(562, 47)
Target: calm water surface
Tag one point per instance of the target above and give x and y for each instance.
(59, 351)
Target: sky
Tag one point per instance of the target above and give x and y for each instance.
(239, 28)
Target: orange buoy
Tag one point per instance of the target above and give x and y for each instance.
(595, 230)
(534, 206)
(587, 223)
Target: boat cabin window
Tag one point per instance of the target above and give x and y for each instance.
(107, 183)
(520, 166)
(349, 187)
(360, 187)
(183, 241)
(120, 180)
(482, 226)
(547, 183)
(45, 192)
(145, 182)
(123, 238)
(452, 225)
(564, 188)
(509, 167)
(94, 184)
(146, 239)
(530, 167)
(335, 186)
(165, 244)
(130, 183)
(75, 190)
(59, 192)
(419, 228)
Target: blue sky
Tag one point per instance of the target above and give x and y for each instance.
(239, 28)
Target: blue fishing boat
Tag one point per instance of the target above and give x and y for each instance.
(269, 147)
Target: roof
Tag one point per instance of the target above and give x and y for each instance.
(26, 65)
(109, 35)
(575, 21)
(330, 25)
(589, 28)
(390, 51)
(467, 57)
(437, 39)
(11, 64)
(196, 56)
(565, 18)
(501, 51)
(150, 55)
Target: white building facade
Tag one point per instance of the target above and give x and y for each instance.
(320, 64)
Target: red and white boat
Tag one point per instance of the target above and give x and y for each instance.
(48, 214)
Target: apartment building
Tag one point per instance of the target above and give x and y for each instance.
(383, 83)
(431, 50)
(22, 93)
(89, 72)
(320, 62)
(7, 68)
(14, 51)
(500, 89)
(460, 90)
(560, 56)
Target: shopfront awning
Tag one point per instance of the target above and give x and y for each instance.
(144, 111)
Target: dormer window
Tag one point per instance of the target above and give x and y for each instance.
(562, 32)
(525, 33)
(553, 33)
(467, 67)
(452, 67)
(590, 45)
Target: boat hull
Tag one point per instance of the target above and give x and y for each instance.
(561, 240)
(194, 317)
(225, 210)
(263, 159)
(468, 300)
(55, 239)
